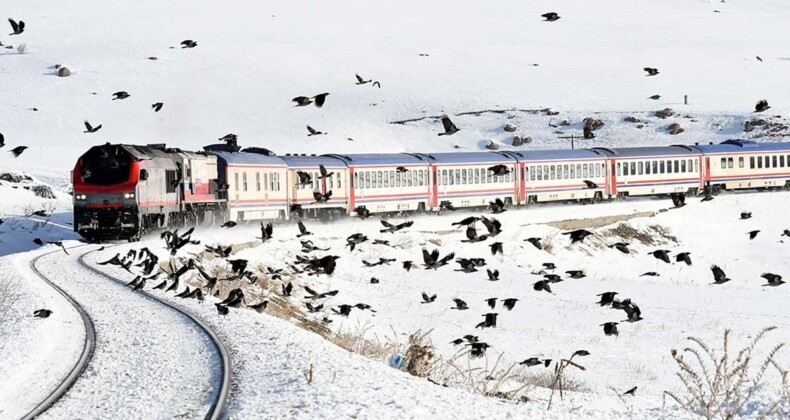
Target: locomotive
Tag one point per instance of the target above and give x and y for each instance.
(123, 191)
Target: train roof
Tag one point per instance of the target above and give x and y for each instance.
(650, 151)
(743, 146)
(534, 155)
(370, 159)
(469, 157)
(138, 153)
(242, 158)
(298, 161)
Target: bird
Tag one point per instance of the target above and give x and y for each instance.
(432, 260)
(319, 99)
(509, 303)
(581, 353)
(491, 302)
(376, 84)
(390, 228)
(578, 235)
(683, 257)
(719, 277)
(260, 307)
(650, 71)
(17, 27)
(188, 43)
(496, 247)
(60, 244)
(492, 275)
(460, 305)
(746, 215)
(761, 106)
(632, 311)
(607, 298)
(552, 278)
(489, 322)
(321, 198)
(499, 170)
(466, 222)
(361, 81)
(42, 313)
(229, 224)
(324, 173)
(497, 206)
(622, 247)
(304, 178)
(302, 101)
(631, 391)
(401, 169)
(649, 274)
(428, 299)
(302, 230)
(362, 212)
(534, 361)
(752, 234)
(576, 274)
(446, 205)
(449, 127)
(16, 151)
(157, 106)
(222, 310)
(38, 241)
(343, 310)
(591, 185)
(314, 132)
(786, 232)
(408, 265)
(542, 285)
(353, 240)
(287, 289)
(535, 242)
(550, 17)
(661, 254)
(549, 266)
(478, 349)
(610, 328)
(773, 279)
(120, 95)
(759, 59)
(655, 97)
(230, 139)
(91, 129)
(707, 197)
(2, 140)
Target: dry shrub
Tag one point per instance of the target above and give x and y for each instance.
(723, 384)
(544, 378)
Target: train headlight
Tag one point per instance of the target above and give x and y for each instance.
(81, 197)
(128, 195)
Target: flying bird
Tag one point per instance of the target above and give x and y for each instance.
(591, 185)
(229, 224)
(362, 212)
(42, 313)
(534, 361)
(576, 274)
(302, 101)
(773, 279)
(550, 17)
(578, 235)
(314, 132)
(492, 275)
(719, 277)
(622, 247)
(759, 59)
(361, 81)
(460, 305)
(319, 99)
(509, 303)
(650, 71)
(746, 215)
(302, 230)
(449, 127)
(497, 206)
(496, 247)
(157, 106)
(428, 299)
(18, 28)
(16, 151)
(535, 242)
(610, 328)
(607, 298)
(761, 106)
(661, 254)
(491, 302)
(655, 97)
(683, 257)
(499, 170)
(631, 391)
(91, 129)
(753, 234)
(649, 274)
(466, 222)
(542, 285)
(2, 140)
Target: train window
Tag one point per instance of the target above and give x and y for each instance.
(409, 178)
(565, 172)
(508, 177)
(767, 161)
(781, 161)
(257, 181)
(379, 180)
(584, 171)
(463, 176)
(444, 176)
(759, 162)
(421, 177)
(387, 179)
(633, 169)
(676, 164)
(751, 162)
(235, 177)
(730, 163)
(661, 168)
(356, 180)
(276, 177)
(477, 176)
(572, 172)
(338, 175)
(773, 161)
(457, 177)
(539, 173)
(647, 168)
(723, 163)
(392, 178)
(683, 166)
(740, 162)
(619, 169)
(669, 166)
(450, 177)
(625, 169)
(367, 179)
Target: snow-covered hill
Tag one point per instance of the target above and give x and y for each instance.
(253, 57)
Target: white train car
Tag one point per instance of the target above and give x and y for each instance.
(744, 164)
(560, 175)
(304, 195)
(640, 171)
(464, 179)
(388, 183)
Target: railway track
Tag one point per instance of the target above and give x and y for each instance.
(103, 331)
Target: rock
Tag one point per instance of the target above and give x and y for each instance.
(592, 123)
(517, 141)
(510, 127)
(640, 126)
(675, 128)
(492, 146)
(9, 177)
(665, 113)
(526, 140)
(64, 72)
(565, 122)
(748, 126)
(43, 191)
(759, 121)
(552, 112)
(631, 119)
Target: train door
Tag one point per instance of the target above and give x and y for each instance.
(433, 190)
(612, 178)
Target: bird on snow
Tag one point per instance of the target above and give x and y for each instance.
(549, 266)
(496, 247)
(497, 206)
(650, 71)
(17, 27)
(649, 274)
(746, 215)
(314, 132)
(773, 279)
(752, 234)
(550, 17)
(719, 277)
(535, 242)
(683, 257)
(157, 106)
(260, 307)
(120, 95)
(761, 106)
(576, 274)
(542, 285)
(759, 59)
(188, 43)
(16, 151)
(478, 349)
(42, 313)
(578, 235)
(91, 129)
(362, 212)
(449, 127)
(222, 310)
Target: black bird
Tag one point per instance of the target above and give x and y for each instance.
(314, 132)
(188, 43)
(610, 328)
(552, 278)
(460, 305)
(466, 222)
(91, 129)
(260, 307)
(578, 235)
(222, 310)
(343, 310)
(313, 309)
(321, 198)
(266, 232)
(606, 298)
(60, 244)
(719, 277)
(428, 299)
(374, 280)
(467, 265)
(489, 322)
(287, 289)
(42, 313)
(576, 274)
(591, 185)
(401, 169)
(753, 234)
(377, 84)
(761, 106)
(238, 266)
(549, 266)
(496, 247)
(497, 206)
(320, 99)
(407, 265)
(361, 81)
(362, 212)
(185, 293)
(449, 127)
(550, 17)
(493, 226)
(535, 242)
(18, 28)
(356, 239)
(364, 306)
(302, 101)
(16, 151)
(499, 170)
(324, 174)
(542, 285)
(534, 361)
(581, 353)
(432, 260)
(302, 230)
(683, 257)
(120, 95)
(786, 232)
(650, 71)
(492, 275)
(157, 106)
(381, 242)
(229, 224)
(631, 391)
(478, 349)
(661, 254)
(746, 215)
(304, 178)
(509, 303)
(491, 302)
(622, 247)
(394, 228)
(773, 279)
(655, 97)
(38, 241)
(230, 139)
(2, 140)
(631, 310)
(759, 59)
(446, 205)
(650, 274)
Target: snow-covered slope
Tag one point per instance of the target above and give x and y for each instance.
(253, 57)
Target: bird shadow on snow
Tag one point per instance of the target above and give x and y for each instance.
(17, 233)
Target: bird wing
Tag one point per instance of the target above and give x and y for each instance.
(14, 25)
(718, 273)
(310, 291)
(448, 124)
(317, 195)
(359, 78)
(88, 126)
(426, 257)
(471, 232)
(311, 130)
(386, 224)
(425, 297)
(302, 228)
(322, 169)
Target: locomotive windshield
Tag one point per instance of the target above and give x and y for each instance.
(105, 165)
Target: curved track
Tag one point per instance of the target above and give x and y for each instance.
(88, 347)
(220, 385)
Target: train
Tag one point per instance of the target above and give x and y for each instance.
(123, 191)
